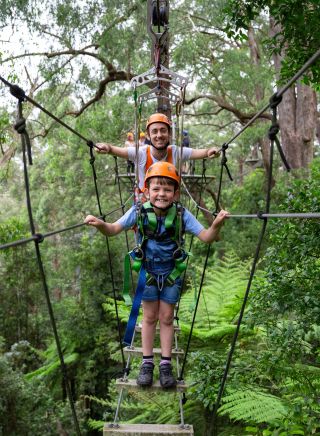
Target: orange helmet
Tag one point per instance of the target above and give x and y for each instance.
(130, 135)
(162, 169)
(158, 118)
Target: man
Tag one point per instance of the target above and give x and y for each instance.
(158, 130)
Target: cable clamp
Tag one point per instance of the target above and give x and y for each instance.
(275, 99)
(39, 237)
(260, 214)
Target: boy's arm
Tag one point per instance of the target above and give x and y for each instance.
(211, 234)
(108, 229)
(204, 153)
(104, 148)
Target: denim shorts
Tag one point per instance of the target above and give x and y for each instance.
(168, 294)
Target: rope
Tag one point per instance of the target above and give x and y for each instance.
(42, 236)
(92, 160)
(213, 425)
(120, 196)
(199, 292)
(23, 133)
(278, 94)
(19, 93)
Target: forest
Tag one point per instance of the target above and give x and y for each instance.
(76, 59)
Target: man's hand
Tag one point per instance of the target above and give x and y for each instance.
(103, 148)
(213, 152)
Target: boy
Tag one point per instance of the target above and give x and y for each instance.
(158, 131)
(160, 294)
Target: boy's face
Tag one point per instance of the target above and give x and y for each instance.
(159, 135)
(161, 195)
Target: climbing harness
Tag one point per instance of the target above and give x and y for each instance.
(148, 227)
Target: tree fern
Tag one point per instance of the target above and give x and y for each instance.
(253, 406)
(221, 299)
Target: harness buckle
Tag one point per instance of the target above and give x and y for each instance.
(137, 255)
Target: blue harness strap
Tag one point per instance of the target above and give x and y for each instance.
(135, 307)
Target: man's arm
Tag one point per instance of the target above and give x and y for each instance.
(104, 148)
(204, 153)
(108, 229)
(211, 234)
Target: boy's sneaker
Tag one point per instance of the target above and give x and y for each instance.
(145, 377)
(167, 379)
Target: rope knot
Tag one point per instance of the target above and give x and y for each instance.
(273, 131)
(275, 100)
(224, 159)
(20, 125)
(260, 214)
(39, 237)
(17, 92)
(224, 147)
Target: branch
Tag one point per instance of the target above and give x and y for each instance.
(242, 117)
(113, 76)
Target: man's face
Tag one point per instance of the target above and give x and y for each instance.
(159, 135)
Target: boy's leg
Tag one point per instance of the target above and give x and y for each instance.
(149, 322)
(166, 316)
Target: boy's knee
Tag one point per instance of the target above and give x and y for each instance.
(150, 318)
(166, 319)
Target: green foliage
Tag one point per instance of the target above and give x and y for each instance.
(299, 34)
(291, 282)
(21, 400)
(253, 406)
(223, 289)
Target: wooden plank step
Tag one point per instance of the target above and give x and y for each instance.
(176, 328)
(147, 430)
(131, 385)
(137, 351)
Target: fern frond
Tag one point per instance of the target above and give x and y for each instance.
(253, 406)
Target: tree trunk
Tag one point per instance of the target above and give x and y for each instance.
(264, 143)
(297, 117)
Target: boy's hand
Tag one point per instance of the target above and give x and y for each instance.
(103, 148)
(219, 219)
(93, 221)
(212, 152)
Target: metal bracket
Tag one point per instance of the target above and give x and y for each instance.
(159, 91)
(151, 76)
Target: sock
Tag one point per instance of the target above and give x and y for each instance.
(165, 361)
(147, 359)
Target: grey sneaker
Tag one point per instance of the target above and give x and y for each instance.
(145, 377)
(167, 379)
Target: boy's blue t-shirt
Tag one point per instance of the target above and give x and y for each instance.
(158, 251)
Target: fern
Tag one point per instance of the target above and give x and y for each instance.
(253, 406)
(222, 296)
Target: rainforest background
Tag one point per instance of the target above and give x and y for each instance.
(76, 59)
